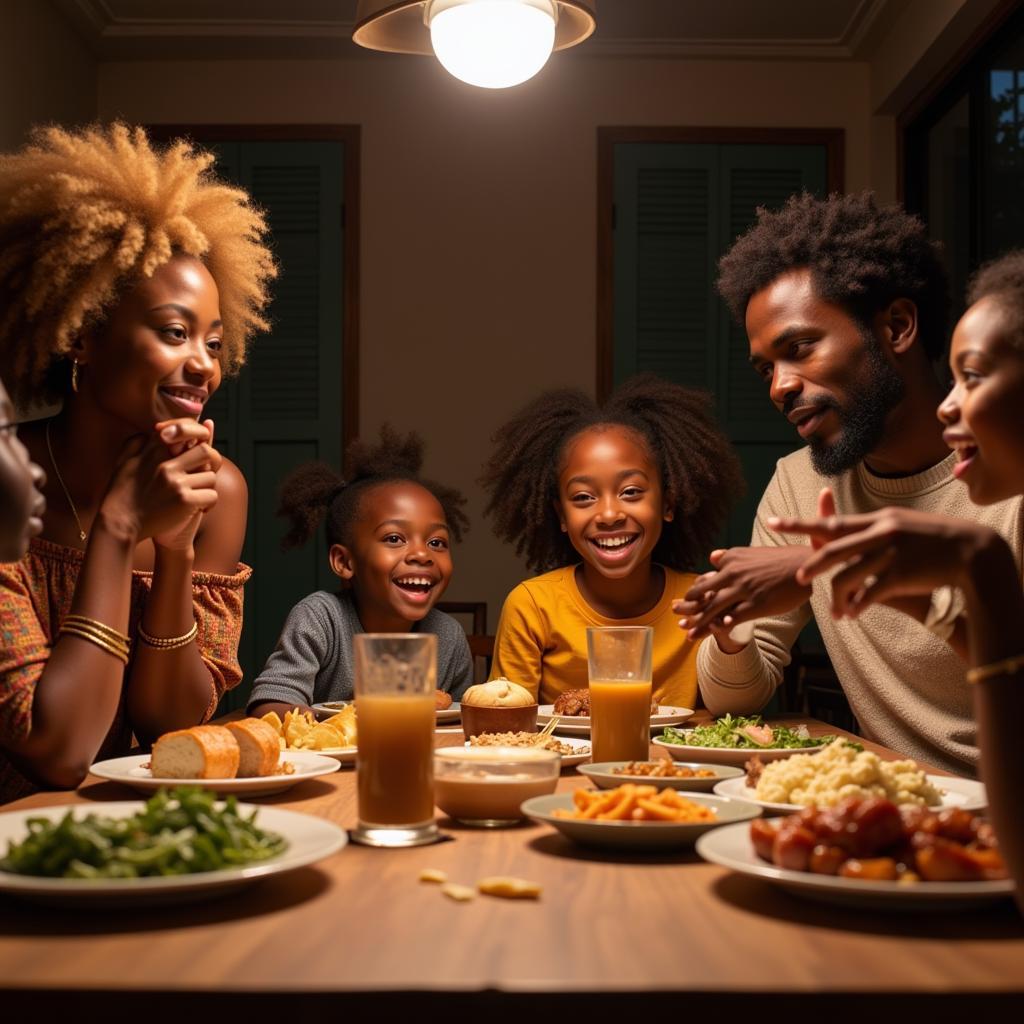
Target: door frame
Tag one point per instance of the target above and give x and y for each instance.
(833, 139)
(350, 136)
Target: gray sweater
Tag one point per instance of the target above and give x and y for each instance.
(314, 659)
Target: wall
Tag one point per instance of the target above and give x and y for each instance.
(46, 73)
(478, 217)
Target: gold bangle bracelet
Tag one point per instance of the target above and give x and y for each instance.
(168, 643)
(96, 638)
(101, 628)
(83, 630)
(1006, 667)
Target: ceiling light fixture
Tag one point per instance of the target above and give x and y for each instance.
(489, 43)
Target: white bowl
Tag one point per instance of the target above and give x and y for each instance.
(486, 786)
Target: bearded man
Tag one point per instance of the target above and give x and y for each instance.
(845, 308)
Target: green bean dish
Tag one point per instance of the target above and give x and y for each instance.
(179, 831)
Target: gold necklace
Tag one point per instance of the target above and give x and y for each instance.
(60, 480)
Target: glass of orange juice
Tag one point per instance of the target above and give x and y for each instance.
(395, 680)
(619, 662)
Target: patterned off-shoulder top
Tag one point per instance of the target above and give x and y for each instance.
(35, 595)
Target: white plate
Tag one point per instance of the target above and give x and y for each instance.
(583, 746)
(579, 725)
(332, 707)
(964, 793)
(130, 771)
(636, 835)
(731, 848)
(344, 755)
(728, 755)
(605, 776)
(309, 839)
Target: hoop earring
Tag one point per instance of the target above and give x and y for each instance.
(74, 375)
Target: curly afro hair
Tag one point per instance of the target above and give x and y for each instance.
(1003, 280)
(700, 473)
(84, 214)
(861, 257)
(315, 489)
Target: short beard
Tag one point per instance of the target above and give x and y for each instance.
(862, 417)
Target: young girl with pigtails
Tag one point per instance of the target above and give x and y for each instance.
(616, 505)
(389, 538)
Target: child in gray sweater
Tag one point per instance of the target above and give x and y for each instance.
(389, 535)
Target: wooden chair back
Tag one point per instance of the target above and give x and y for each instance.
(481, 644)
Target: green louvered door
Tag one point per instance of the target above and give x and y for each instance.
(285, 406)
(678, 208)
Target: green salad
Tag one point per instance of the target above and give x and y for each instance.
(179, 831)
(742, 733)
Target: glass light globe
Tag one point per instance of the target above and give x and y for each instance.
(493, 43)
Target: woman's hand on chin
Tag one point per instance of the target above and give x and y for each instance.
(165, 482)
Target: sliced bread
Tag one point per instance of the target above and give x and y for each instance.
(258, 745)
(202, 752)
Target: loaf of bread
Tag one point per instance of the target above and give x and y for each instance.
(498, 693)
(202, 752)
(259, 747)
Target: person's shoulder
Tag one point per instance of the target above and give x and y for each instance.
(321, 605)
(556, 579)
(540, 590)
(222, 532)
(232, 489)
(797, 463)
(796, 484)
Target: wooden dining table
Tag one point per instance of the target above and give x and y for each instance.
(613, 933)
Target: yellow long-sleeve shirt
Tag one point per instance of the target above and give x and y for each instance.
(542, 638)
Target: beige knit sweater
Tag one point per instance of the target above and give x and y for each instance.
(905, 686)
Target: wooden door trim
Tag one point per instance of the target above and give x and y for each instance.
(350, 135)
(833, 139)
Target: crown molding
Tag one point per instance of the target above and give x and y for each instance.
(112, 38)
(842, 47)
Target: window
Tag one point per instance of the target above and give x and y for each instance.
(964, 157)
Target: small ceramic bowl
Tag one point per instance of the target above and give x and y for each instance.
(486, 786)
(476, 720)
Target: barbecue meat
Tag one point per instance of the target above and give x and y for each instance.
(573, 702)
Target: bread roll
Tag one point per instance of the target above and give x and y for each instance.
(258, 747)
(498, 693)
(442, 700)
(202, 752)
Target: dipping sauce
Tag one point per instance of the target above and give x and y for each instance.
(485, 786)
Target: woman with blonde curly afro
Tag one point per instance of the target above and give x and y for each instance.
(131, 280)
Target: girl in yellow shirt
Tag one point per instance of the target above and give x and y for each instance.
(615, 505)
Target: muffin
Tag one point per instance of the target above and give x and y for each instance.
(498, 706)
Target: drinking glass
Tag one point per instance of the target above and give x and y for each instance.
(619, 663)
(394, 683)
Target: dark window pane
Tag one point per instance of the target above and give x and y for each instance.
(1002, 157)
(948, 207)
